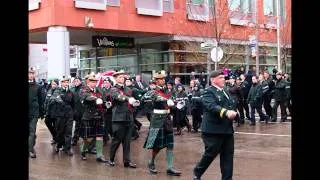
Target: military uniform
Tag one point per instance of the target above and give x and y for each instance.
(217, 130)
(243, 100)
(160, 133)
(64, 98)
(107, 98)
(180, 114)
(122, 122)
(279, 97)
(255, 100)
(78, 111)
(196, 108)
(267, 89)
(50, 107)
(36, 110)
(92, 126)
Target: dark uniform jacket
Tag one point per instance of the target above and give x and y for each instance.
(215, 106)
(267, 87)
(280, 90)
(288, 90)
(78, 106)
(91, 110)
(244, 89)
(107, 97)
(196, 102)
(122, 110)
(255, 95)
(234, 91)
(50, 104)
(65, 100)
(36, 100)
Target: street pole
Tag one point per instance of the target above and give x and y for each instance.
(255, 20)
(278, 37)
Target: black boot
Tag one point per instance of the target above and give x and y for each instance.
(173, 172)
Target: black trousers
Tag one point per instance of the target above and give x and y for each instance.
(51, 125)
(217, 144)
(266, 104)
(196, 118)
(122, 132)
(243, 105)
(64, 132)
(260, 112)
(108, 125)
(282, 108)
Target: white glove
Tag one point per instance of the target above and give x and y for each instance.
(132, 100)
(108, 104)
(99, 101)
(170, 102)
(231, 114)
(136, 103)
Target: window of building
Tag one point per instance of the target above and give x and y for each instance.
(198, 10)
(91, 4)
(150, 7)
(270, 8)
(113, 2)
(34, 4)
(168, 6)
(241, 11)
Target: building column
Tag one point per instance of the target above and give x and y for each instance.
(58, 51)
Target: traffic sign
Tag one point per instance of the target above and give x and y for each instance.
(216, 54)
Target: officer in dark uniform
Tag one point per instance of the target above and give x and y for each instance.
(106, 89)
(279, 97)
(78, 109)
(234, 90)
(122, 119)
(255, 101)
(65, 108)
(36, 110)
(160, 133)
(267, 89)
(217, 127)
(137, 94)
(243, 101)
(196, 107)
(147, 103)
(92, 126)
(50, 107)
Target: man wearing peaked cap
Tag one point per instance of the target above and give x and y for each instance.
(217, 127)
(160, 133)
(122, 119)
(78, 109)
(117, 73)
(36, 110)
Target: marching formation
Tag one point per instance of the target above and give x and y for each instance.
(108, 110)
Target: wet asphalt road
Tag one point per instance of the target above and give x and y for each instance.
(262, 152)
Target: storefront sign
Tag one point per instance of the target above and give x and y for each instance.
(112, 42)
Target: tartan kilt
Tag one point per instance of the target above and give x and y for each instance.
(92, 128)
(163, 139)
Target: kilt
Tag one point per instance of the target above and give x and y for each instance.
(159, 138)
(92, 128)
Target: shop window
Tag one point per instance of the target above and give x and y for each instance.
(198, 10)
(91, 4)
(150, 7)
(113, 2)
(34, 4)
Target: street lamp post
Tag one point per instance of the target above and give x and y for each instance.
(278, 36)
